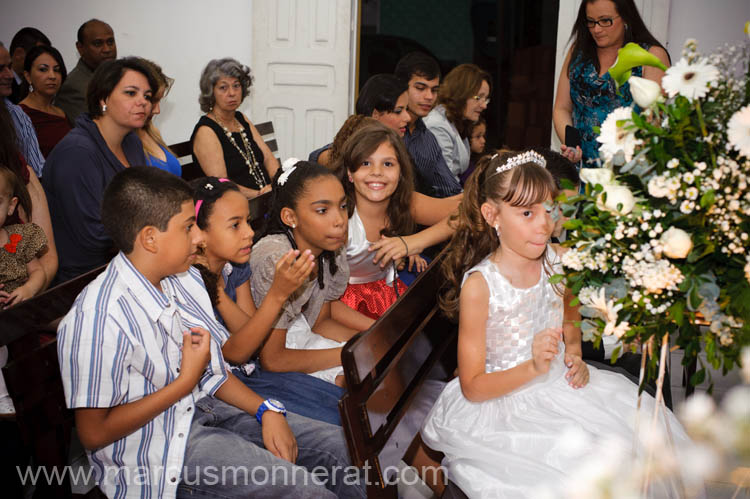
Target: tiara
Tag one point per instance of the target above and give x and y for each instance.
(530, 156)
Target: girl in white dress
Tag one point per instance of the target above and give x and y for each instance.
(521, 386)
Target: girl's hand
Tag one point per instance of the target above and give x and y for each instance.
(578, 371)
(291, 272)
(574, 155)
(17, 296)
(544, 348)
(417, 263)
(263, 190)
(388, 249)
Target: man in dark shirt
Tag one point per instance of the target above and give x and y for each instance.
(422, 75)
(96, 44)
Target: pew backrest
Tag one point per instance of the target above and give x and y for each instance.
(32, 376)
(190, 170)
(386, 367)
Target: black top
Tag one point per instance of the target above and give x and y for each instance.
(237, 170)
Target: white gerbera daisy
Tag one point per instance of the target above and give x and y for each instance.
(689, 80)
(615, 138)
(738, 131)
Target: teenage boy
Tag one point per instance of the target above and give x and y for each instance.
(422, 75)
(155, 407)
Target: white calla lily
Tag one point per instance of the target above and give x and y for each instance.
(645, 92)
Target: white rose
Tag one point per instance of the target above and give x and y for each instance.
(676, 243)
(616, 194)
(593, 176)
(645, 92)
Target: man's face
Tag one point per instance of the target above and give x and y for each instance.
(422, 94)
(6, 74)
(98, 44)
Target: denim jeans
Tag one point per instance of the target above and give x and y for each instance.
(225, 457)
(299, 392)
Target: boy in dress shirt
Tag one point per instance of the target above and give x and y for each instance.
(155, 407)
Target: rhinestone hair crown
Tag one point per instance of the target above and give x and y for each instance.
(530, 156)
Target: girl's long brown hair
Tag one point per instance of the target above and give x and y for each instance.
(474, 239)
(357, 148)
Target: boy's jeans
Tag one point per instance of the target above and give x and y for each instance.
(225, 457)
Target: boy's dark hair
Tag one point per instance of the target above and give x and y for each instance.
(379, 93)
(416, 63)
(38, 50)
(207, 190)
(26, 38)
(286, 196)
(108, 75)
(560, 167)
(138, 197)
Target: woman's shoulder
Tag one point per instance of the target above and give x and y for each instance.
(205, 121)
(435, 116)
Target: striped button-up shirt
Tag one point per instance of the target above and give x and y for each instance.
(26, 135)
(433, 177)
(122, 341)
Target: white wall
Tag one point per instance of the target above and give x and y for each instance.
(712, 23)
(180, 35)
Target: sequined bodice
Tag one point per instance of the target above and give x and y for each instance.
(516, 315)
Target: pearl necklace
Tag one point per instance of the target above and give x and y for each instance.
(252, 164)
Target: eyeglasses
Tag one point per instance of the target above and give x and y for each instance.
(604, 22)
(481, 98)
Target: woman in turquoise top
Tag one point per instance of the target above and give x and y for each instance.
(585, 91)
(157, 152)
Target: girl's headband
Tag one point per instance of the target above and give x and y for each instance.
(209, 187)
(530, 156)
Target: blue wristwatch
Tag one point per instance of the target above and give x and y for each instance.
(269, 405)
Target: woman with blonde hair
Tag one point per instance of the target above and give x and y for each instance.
(157, 152)
(464, 94)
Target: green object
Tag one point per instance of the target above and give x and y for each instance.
(631, 56)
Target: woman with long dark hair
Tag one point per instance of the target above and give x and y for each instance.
(585, 91)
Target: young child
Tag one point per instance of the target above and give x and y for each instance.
(308, 212)
(222, 215)
(477, 145)
(155, 407)
(521, 386)
(384, 212)
(21, 275)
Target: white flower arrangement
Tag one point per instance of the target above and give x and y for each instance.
(660, 239)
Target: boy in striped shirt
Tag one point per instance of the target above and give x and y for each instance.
(155, 406)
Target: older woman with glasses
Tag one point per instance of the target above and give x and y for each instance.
(464, 94)
(585, 91)
(225, 142)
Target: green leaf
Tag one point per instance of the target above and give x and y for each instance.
(566, 184)
(575, 301)
(677, 312)
(708, 199)
(556, 279)
(698, 377)
(616, 353)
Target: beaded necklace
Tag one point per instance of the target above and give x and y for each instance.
(252, 164)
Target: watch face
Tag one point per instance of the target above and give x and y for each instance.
(276, 404)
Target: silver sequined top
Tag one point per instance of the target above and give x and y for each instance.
(516, 315)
